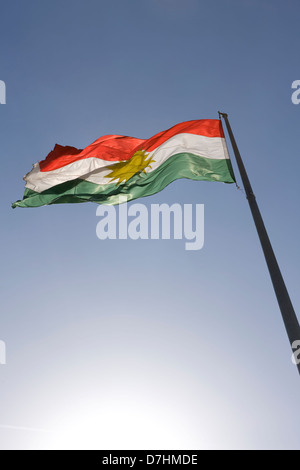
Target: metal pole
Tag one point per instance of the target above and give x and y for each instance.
(287, 310)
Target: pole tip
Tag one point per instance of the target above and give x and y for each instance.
(222, 114)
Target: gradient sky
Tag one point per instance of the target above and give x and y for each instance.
(123, 344)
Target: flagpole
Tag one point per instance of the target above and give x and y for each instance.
(287, 311)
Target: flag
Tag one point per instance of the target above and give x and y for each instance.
(115, 166)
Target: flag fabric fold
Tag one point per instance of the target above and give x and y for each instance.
(116, 167)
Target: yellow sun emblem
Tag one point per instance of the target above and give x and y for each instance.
(123, 171)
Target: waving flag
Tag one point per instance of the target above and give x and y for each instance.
(117, 165)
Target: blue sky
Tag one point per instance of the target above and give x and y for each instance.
(140, 344)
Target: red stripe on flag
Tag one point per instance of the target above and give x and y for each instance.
(205, 127)
(118, 148)
(110, 147)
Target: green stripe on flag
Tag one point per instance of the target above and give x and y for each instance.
(182, 165)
